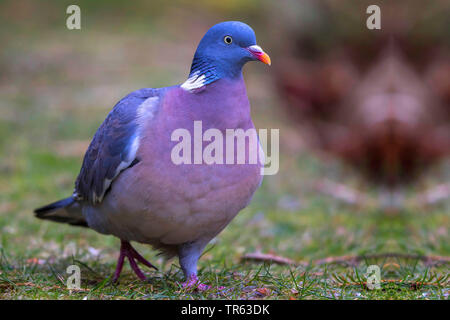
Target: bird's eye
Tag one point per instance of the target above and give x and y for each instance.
(228, 39)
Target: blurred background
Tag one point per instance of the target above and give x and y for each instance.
(364, 118)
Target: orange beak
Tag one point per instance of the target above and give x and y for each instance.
(259, 54)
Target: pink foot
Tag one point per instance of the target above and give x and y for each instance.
(195, 285)
(126, 250)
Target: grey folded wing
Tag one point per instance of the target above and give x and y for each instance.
(115, 144)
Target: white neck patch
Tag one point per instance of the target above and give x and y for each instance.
(194, 82)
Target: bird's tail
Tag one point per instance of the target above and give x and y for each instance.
(65, 211)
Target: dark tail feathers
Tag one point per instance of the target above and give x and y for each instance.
(65, 211)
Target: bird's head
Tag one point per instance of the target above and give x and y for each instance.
(231, 44)
(224, 50)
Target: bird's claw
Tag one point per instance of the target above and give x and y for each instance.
(194, 284)
(126, 250)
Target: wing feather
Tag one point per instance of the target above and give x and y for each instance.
(115, 144)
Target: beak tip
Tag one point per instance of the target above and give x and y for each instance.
(264, 57)
(259, 54)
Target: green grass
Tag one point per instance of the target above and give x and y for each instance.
(306, 236)
(56, 90)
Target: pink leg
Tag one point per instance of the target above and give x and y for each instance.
(141, 259)
(119, 266)
(136, 269)
(126, 250)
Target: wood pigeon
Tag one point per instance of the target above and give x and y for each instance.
(129, 185)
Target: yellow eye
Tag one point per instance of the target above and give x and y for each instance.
(228, 39)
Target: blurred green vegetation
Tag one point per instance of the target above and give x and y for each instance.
(56, 87)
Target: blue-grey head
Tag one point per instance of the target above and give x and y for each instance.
(222, 52)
